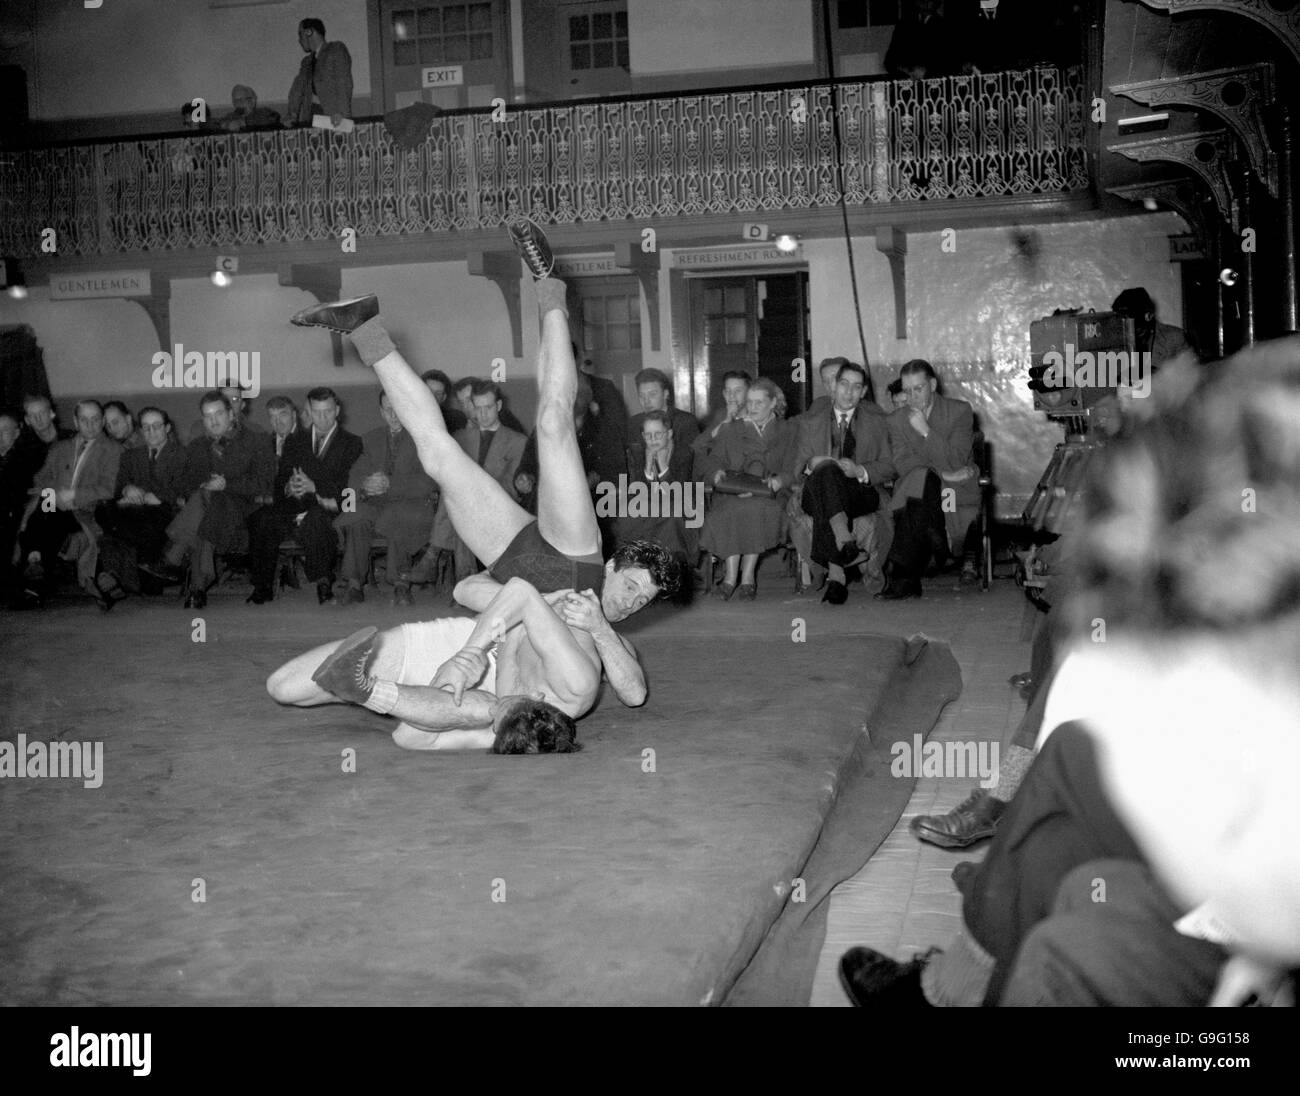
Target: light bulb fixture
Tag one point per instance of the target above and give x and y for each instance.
(787, 243)
(17, 292)
(12, 280)
(220, 278)
(1228, 276)
(1150, 204)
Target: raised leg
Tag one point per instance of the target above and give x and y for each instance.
(486, 518)
(565, 514)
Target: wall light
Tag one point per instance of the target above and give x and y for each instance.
(220, 278)
(787, 243)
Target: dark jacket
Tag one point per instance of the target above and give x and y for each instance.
(326, 79)
(164, 477)
(329, 472)
(870, 434)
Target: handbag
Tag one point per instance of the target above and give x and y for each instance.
(743, 483)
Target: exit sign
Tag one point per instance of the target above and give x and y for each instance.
(446, 77)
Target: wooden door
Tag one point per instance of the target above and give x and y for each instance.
(724, 337)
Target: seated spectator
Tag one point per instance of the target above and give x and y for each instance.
(15, 480)
(40, 430)
(920, 47)
(240, 408)
(653, 391)
(740, 527)
(77, 475)
(440, 385)
(324, 81)
(223, 473)
(309, 485)
(194, 116)
(735, 386)
(283, 417)
(464, 391)
(827, 371)
(843, 463)
(394, 499)
(149, 494)
(932, 449)
(494, 447)
(119, 424)
(897, 396)
(658, 462)
(1151, 785)
(247, 115)
(527, 474)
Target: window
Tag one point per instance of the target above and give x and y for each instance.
(860, 14)
(611, 321)
(446, 35)
(598, 40)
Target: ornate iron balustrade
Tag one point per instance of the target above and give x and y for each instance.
(740, 152)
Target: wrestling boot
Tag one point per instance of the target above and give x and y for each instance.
(973, 820)
(341, 316)
(872, 980)
(346, 673)
(533, 248)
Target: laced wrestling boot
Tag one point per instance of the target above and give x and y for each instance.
(346, 673)
(872, 980)
(533, 248)
(973, 820)
(341, 316)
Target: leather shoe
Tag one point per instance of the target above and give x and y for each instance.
(345, 673)
(324, 591)
(260, 596)
(973, 820)
(533, 247)
(341, 316)
(197, 600)
(872, 980)
(165, 573)
(836, 593)
(898, 589)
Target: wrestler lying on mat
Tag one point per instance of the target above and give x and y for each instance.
(521, 697)
(558, 550)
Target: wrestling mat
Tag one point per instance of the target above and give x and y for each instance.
(685, 857)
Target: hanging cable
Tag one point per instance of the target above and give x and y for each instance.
(839, 176)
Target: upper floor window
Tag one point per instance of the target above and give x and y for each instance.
(442, 34)
(598, 40)
(861, 14)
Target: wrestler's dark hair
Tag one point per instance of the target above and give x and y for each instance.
(654, 376)
(486, 388)
(215, 396)
(534, 726)
(438, 375)
(280, 403)
(664, 567)
(321, 394)
(121, 407)
(918, 365)
(854, 367)
(313, 24)
(1190, 518)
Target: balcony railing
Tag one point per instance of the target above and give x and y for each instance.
(992, 136)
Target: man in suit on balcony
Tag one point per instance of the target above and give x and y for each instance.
(324, 81)
(394, 499)
(308, 492)
(932, 448)
(920, 47)
(843, 456)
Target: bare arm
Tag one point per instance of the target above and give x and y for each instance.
(617, 655)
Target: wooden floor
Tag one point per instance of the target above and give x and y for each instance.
(903, 900)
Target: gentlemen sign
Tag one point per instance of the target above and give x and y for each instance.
(750, 255)
(100, 283)
(445, 77)
(571, 266)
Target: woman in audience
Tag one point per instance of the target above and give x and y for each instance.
(742, 524)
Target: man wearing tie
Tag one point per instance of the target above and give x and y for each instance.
(496, 449)
(308, 491)
(324, 81)
(843, 451)
(394, 499)
(77, 474)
